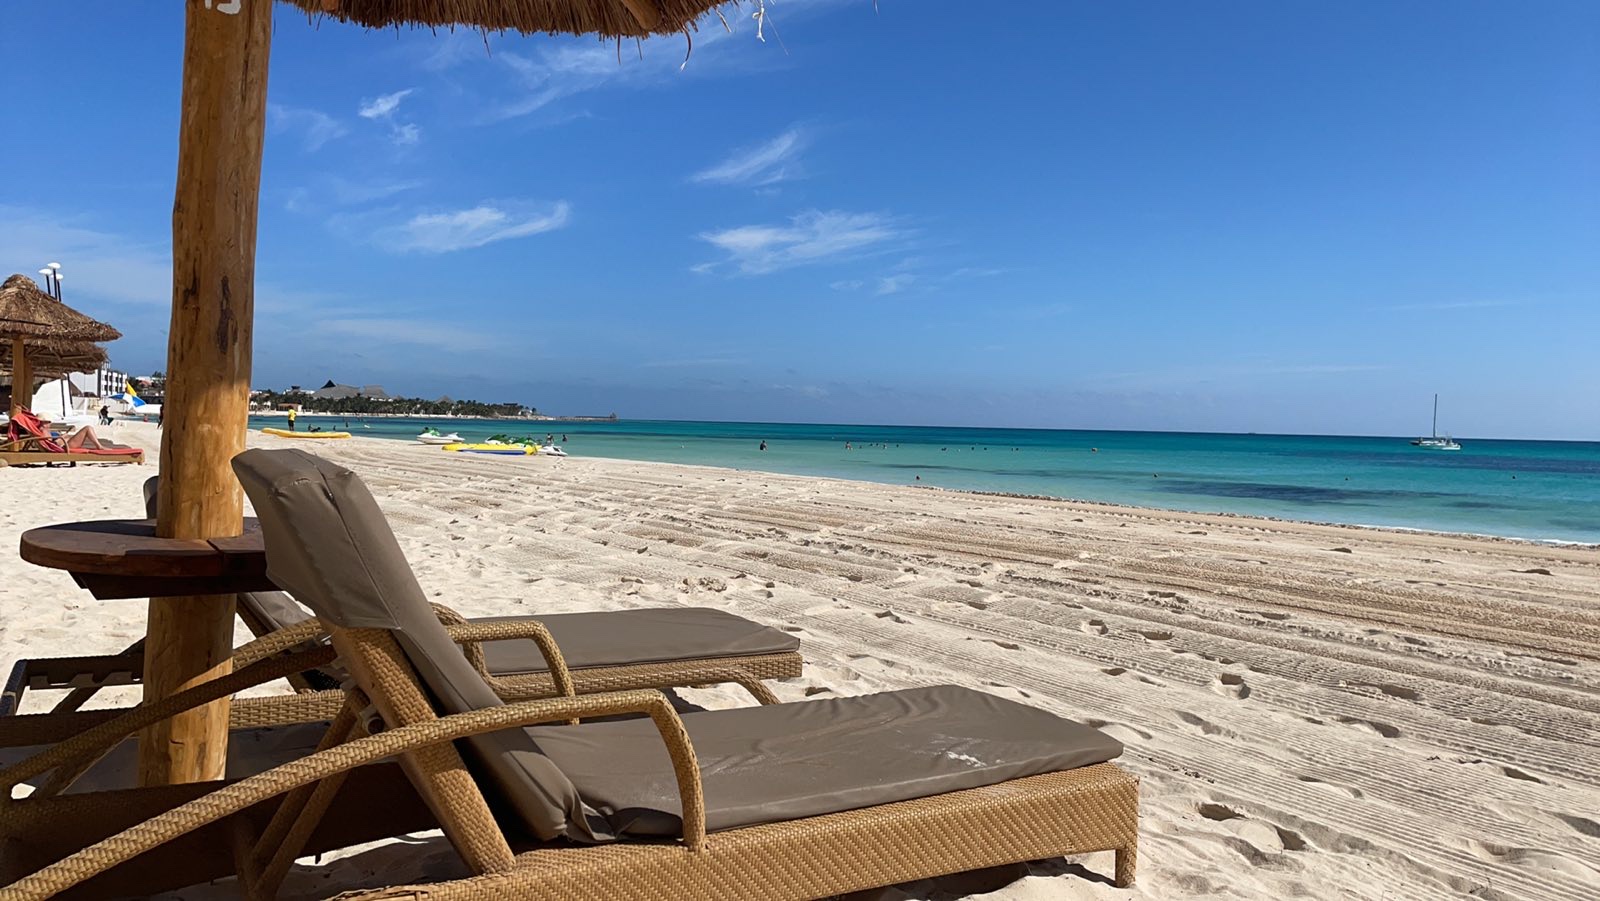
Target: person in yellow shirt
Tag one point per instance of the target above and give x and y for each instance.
(291, 419)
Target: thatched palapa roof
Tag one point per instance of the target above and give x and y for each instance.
(55, 359)
(606, 18)
(26, 311)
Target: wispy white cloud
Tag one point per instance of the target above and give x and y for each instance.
(338, 191)
(560, 70)
(383, 109)
(383, 106)
(406, 135)
(486, 223)
(894, 284)
(975, 272)
(548, 69)
(427, 333)
(101, 264)
(446, 51)
(314, 127)
(766, 164)
(810, 237)
(847, 284)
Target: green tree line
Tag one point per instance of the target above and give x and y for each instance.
(396, 406)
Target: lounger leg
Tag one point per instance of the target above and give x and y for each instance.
(1127, 862)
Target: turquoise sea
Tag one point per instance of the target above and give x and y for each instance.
(1541, 490)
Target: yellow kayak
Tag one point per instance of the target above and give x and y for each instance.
(515, 450)
(285, 433)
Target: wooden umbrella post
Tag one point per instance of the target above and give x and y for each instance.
(21, 378)
(226, 44)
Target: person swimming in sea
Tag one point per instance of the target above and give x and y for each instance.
(763, 444)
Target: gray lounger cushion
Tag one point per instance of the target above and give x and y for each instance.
(622, 637)
(328, 543)
(331, 547)
(808, 758)
(610, 638)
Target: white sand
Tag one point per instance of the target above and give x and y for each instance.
(1313, 711)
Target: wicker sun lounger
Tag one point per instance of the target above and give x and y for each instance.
(606, 651)
(785, 801)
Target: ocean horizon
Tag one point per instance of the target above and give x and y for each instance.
(1531, 490)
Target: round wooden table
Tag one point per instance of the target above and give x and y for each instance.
(124, 558)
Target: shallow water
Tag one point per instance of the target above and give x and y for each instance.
(1543, 490)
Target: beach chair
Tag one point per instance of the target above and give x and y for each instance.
(30, 441)
(79, 767)
(796, 800)
(604, 651)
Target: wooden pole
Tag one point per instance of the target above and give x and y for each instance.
(21, 378)
(208, 363)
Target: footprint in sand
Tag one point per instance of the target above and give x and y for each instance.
(1094, 627)
(1205, 726)
(1114, 670)
(1581, 825)
(1007, 645)
(1155, 635)
(869, 663)
(1341, 550)
(1233, 684)
(890, 616)
(1354, 793)
(1000, 688)
(1383, 729)
(1393, 691)
(1515, 773)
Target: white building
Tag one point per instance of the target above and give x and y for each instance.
(99, 383)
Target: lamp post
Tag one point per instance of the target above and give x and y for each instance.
(52, 279)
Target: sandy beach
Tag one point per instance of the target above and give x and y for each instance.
(1314, 711)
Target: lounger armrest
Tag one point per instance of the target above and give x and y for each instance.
(471, 635)
(69, 759)
(278, 641)
(229, 799)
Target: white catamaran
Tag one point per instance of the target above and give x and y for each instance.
(1436, 441)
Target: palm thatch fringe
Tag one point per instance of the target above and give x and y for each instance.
(606, 18)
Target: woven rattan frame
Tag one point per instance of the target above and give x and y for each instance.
(1091, 809)
(1076, 812)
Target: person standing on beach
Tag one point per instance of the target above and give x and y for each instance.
(291, 419)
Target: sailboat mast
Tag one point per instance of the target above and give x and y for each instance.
(1436, 416)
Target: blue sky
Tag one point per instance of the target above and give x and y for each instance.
(1250, 216)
